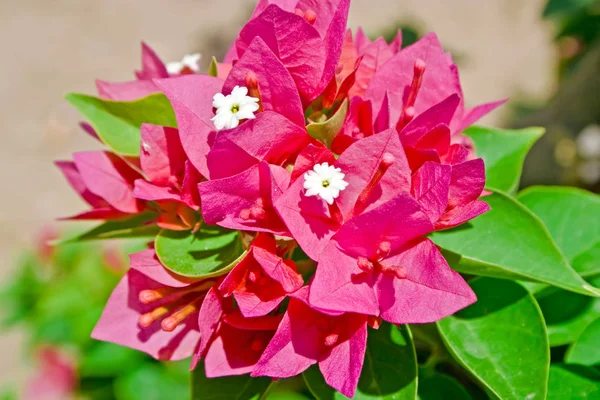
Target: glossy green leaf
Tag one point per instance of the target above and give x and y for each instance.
(242, 387)
(118, 123)
(567, 314)
(504, 152)
(326, 131)
(213, 69)
(211, 251)
(501, 340)
(566, 329)
(586, 350)
(587, 262)
(568, 214)
(441, 387)
(573, 382)
(389, 371)
(509, 242)
(136, 226)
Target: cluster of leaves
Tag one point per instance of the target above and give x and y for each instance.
(57, 299)
(532, 261)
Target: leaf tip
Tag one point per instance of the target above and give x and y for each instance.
(593, 290)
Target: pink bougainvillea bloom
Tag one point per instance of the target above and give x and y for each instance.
(304, 56)
(449, 194)
(379, 264)
(245, 201)
(172, 180)
(153, 310)
(152, 66)
(238, 344)
(269, 137)
(105, 182)
(307, 336)
(428, 136)
(192, 98)
(421, 76)
(260, 68)
(375, 169)
(230, 343)
(55, 377)
(262, 279)
(400, 85)
(373, 55)
(313, 54)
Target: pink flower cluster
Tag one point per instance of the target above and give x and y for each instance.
(360, 207)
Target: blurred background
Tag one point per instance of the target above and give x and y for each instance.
(543, 54)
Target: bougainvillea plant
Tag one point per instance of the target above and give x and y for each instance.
(317, 204)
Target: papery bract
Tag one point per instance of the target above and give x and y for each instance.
(270, 137)
(361, 165)
(262, 279)
(379, 264)
(307, 336)
(238, 345)
(120, 322)
(172, 179)
(245, 201)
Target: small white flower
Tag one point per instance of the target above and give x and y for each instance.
(191, 61)
(233, 108)
(324, 181)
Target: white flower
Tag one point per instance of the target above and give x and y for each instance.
(233, 108)
(191, 61)
(324, 181)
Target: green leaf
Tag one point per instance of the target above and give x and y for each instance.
(567, 314)
(150, 382)
(212, 251)
(389, 371)
(501, 339)
(441, 387)
(326, 131)
(504, 152)
(573, 382)
(586, 350)
(568, 214)
(242, 387)
(213, 69)
(134, 227)
(107, 359)
(118, 123)
(509, 242)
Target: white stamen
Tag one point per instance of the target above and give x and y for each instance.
(325, 181)
(233, 108)
(191, 61)
(146, 147)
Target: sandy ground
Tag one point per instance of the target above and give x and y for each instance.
(51, 47)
